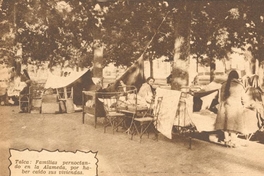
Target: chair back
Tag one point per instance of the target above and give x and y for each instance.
(157, 111)
(109, 100)
(127, 99)
(157, 107)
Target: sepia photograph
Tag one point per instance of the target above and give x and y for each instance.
(131, 87)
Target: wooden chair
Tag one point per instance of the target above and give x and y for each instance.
(126, 100)
(91, 106)
(148, 121)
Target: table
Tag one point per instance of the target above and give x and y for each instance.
(133, 112)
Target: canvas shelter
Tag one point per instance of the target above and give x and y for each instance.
(133, 76)
(69, 88)
(54, 81)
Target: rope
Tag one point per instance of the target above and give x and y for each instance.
(154, 34)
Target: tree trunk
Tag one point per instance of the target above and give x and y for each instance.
(98, 64)
(180, 68)
(151, 63)
(253, 64)
(212, 69)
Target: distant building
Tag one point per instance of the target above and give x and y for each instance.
(161, 69)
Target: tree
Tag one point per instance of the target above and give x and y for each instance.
(215, 28)
(55, 31)
(130, 26)
(65, 30)
(6, 31)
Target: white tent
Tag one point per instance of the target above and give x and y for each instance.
(60, 83)
(54, 81)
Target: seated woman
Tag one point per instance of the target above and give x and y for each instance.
(146, 93)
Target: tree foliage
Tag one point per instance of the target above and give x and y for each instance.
(219, 26)
(54, 30)
(6, 31)
(58, 30)
(135, 29)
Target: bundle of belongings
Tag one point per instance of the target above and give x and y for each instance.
(177, 108)
(205, 100)
(200, 109)
(206, 106)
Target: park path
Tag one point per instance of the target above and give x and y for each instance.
(118, 155)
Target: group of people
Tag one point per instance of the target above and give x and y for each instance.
(238, 110)
(18, 85)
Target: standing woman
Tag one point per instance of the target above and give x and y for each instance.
(230, 115)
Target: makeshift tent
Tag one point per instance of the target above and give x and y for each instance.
(133, 76)
(55, 81)
(75, 82)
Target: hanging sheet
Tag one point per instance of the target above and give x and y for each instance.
(167, 111)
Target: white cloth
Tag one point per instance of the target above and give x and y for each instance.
(145, 94)
(54, 81)
(167, 111)
(204, 120)
(208, 99)
(16, 87)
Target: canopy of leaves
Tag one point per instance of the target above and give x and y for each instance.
(219, 26)
(54, 30)
(134, 27)
(58, 30)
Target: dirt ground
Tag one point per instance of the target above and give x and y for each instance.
(118, 155)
